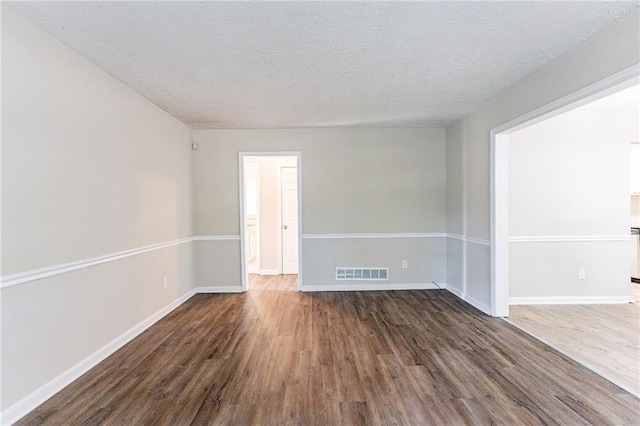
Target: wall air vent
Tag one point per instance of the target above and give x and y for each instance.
(362, 274)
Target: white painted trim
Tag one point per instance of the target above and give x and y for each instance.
(477, 304)
(608, 85)
(53, 270)
(499, 165)
(376, 235)
(472, 240)
(470, 300)
(456, 292)
(569, 238)
(217, 238)
(570, 300)
(269, 272)
(219, 289)
(478, 241)
(299, 168)
(63, 268)
(499, 225)
(371, 287)
(584, 364)
(244, 273)
(46, 391)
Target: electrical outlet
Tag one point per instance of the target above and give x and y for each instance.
(165, 283)
(582, 274)
(405, 264)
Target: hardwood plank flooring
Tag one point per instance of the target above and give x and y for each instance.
(272, 356)
(605, 338)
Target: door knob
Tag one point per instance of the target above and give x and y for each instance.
(284, 227)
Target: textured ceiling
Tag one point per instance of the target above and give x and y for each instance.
(316, 64)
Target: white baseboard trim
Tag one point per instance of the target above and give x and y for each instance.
(370, 287)
(470, 300)
(456, 291)
(477, 304)
(269, 272)
(46, 391)
(219, 289)
(570, 300)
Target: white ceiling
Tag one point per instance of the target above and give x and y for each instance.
(316, 64)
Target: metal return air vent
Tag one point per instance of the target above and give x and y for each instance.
(362, 274)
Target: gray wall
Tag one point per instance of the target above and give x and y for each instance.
(89, 168)
(383, 181)
(611, 51)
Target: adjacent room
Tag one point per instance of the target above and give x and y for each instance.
(570, 275)
(316, 212)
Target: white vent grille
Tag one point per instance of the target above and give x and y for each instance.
(362, 274)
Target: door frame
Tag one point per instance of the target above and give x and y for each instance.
(241, 156)
(499, 166)
(257, 230)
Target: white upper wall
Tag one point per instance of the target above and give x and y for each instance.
(89, 166)
(569, 175)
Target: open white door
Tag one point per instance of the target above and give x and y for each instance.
(289, 182)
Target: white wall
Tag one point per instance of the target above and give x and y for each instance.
(388, 181)
(609, 52)
(89, 168)
(568, 177)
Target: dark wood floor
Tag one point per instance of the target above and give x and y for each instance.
(273, 357)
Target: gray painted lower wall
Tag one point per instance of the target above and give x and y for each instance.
(550, 269)
(51, 325)
(218, 262)
(426, 259)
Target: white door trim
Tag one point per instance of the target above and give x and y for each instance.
(241, 155)
(499, 154)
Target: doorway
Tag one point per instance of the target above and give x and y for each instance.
(499, 156)
(560, 230)
(270, 213)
